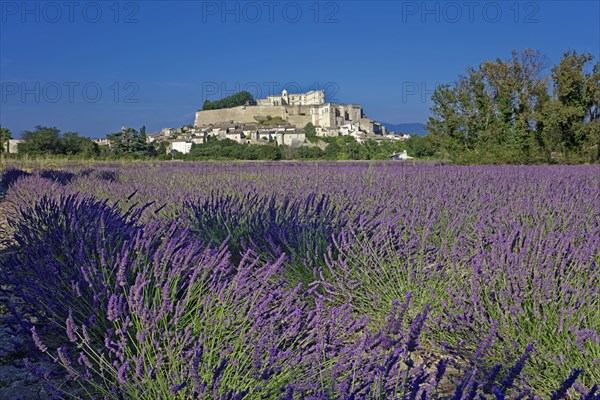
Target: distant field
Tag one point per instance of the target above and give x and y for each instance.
(305, 280)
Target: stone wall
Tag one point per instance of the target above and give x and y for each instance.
(299, 121)
(366, 125)
(328, 115)
(290, 139)
(241, 114)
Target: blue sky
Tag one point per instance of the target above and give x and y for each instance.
(93, 67)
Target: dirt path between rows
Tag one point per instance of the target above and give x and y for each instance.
(16, 382)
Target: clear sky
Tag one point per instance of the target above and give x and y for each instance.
(93, 67)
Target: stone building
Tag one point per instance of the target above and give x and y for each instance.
(292, 138)
(314, 97)
(295, 109)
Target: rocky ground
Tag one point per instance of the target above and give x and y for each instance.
(15, 380)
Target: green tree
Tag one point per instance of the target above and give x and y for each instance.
(125, 140)
(309, 130)
(520, 92)
(271, 153)
(331, 151)
(162, 148)
(41, 141)
(73, 144)
(493, 112)
(355, 151)
(310, 153)
(139, 143)
(369, 149)
(131, 142)
(571, 117)
(593, 92)
(5, 136)
(250, 152)
(389, 147)
(420, 146)
(238, 99)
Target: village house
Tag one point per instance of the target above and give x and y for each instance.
(181, 146)
(400, 156)
(292, 138)
(236, 135)
(12, 146)
(104, 142)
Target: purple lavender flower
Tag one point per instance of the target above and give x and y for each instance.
(490, 379)
(64, 357)
(561, 392)
(113, 311)
(158, 295)
(499, 394)
(515, 370)
(84, 360)
(38, 342)
(71, 328)
(122, 373)
(175, 388)
(440, 371)
(35, 371)
(592, 394)
(85, 334)
(415, 330)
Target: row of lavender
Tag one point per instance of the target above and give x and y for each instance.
(309, 280)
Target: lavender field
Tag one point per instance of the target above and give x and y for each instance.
(304, 281)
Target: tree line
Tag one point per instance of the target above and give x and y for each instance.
(331, 148)
(130, 143)
(49, 141)
(45, 141)
(238, 99)
(512, 111)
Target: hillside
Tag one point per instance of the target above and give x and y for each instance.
(415, 128)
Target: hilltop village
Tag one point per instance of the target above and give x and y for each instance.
(301, 125)
(286, 119)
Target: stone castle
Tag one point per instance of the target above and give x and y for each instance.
(329, 119)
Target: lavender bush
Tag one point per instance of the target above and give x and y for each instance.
(135, 320)
(269, 225)
(266, 280)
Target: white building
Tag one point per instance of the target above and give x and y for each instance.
(12, 146)
(236, 135)
(314, 97)
(198, 139)
(400, 156)
(101, 142)
(181, 146)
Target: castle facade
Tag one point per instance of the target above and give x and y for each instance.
(296, 109)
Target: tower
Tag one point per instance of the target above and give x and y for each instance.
(284, 97)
